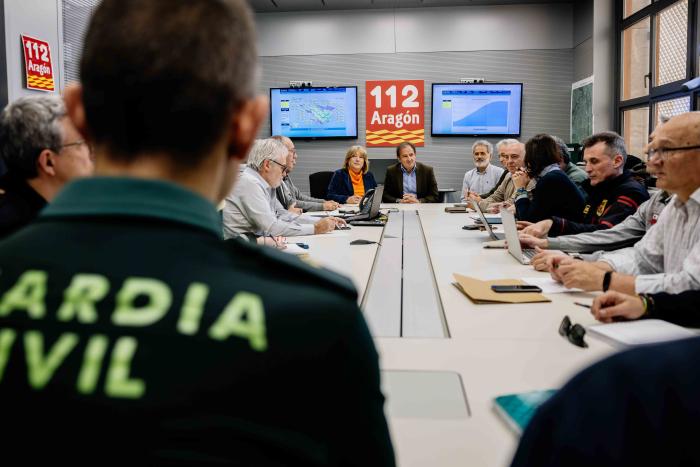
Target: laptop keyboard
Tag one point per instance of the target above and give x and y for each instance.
(529, 253)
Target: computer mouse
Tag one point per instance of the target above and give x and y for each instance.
(342, 227)
(362, 242)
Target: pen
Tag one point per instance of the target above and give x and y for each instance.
(303, 245)
(582, 304)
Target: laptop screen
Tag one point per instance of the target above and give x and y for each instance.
(376, 202)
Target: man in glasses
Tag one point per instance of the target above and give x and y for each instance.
(42, 151)
(289, 195)
(667, 258)
(512, 155)
(253, 208)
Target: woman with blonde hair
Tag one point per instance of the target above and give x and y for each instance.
(349, 184)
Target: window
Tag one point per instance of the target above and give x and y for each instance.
(635, 129)
(655, 59)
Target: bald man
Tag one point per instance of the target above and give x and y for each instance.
(667, 258)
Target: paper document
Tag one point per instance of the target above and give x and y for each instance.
(548, 285)
(643, 331)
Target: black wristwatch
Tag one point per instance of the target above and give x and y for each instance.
(606, 280)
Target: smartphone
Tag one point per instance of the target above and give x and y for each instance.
(515, 288)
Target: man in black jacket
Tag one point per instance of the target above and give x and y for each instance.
(612, 193)
(42, 151)
(409, 181)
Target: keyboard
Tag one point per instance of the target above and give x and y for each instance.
(373, 223)
(529, 253)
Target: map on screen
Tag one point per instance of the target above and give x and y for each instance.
(314, 112)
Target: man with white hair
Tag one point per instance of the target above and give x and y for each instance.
(253, 209)
(512, 154)
(289, 195)
(484, 176)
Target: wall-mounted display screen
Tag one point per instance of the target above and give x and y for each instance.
(314, 112)
(477, 109)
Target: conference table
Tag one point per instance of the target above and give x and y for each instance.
(443, 357)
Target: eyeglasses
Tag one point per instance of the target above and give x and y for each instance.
(284, 167)
(76, 143)
(663, 153)
(574, 333)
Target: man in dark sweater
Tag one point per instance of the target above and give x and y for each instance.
(612, 193)
(42, 151)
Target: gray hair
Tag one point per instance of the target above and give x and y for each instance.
(28, 126)
(506, 142)
(266, 149)
(483, 142)
(563, 149)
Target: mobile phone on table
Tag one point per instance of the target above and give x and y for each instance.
(515, 288)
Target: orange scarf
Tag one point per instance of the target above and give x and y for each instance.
(358, 186)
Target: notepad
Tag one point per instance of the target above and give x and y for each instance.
(643, 331)
(517, 409)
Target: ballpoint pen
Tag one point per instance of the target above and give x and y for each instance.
(582, 304)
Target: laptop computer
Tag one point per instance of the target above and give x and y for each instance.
(514, 248)
(486, 224)
(371, 213)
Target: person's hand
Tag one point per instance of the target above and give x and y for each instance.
(294, 210)
(539, 229)
(520, 179)
(552, 265)
(520, 225)
(612, 306)
(278, 242)
(530, 241)
(409, 198)
(339, 222)
(543, 260)
(327, 224)
(495, 208)
(580, 274)
(330, 205)
(473, 195)
(353, 199)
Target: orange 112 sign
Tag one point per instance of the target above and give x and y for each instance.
(394, 112)
(37, 64)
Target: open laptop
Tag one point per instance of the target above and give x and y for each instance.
(486, 224)
(514, 248)
(369, 215)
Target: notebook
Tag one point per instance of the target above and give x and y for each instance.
(643, 331)
(517, 409)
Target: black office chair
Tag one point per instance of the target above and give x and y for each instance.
(318, 184)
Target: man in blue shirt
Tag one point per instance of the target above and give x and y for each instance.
(409, 181)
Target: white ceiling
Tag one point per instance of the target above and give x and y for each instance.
(270, 6)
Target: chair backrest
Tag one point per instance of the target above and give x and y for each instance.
(318, 183)
(378, 168)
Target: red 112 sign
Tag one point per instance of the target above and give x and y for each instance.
(37, 64)
(394, 112)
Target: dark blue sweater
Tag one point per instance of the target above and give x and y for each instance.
(340, 186)
(554, 195)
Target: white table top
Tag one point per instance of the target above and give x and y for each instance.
(496, 348)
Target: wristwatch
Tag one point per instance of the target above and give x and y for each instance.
(606, 280)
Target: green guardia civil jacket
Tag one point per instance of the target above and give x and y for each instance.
(130, 332)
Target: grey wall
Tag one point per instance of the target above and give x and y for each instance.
(583, 39)
(603, 65)
(38, 18)
(546, 74)
(532, 44)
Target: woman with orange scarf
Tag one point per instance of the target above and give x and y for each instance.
(349, 184)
